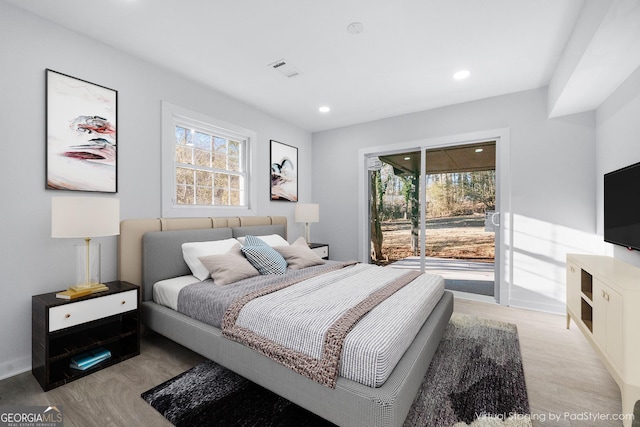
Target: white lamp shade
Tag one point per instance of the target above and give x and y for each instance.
(82, 217)
(307, 212)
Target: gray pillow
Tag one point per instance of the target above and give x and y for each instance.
(298, 255)
(229, 267)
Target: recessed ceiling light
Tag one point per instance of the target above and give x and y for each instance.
(462, 74)
(324, 109)
(407, 158)
(479, 150)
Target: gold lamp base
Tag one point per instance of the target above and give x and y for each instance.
(88, 286)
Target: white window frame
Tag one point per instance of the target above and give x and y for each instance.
(172, 116)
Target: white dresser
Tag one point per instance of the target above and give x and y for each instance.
(603, 299)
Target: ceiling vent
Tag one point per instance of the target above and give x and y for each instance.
(285, 68)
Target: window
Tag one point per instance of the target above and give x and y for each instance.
(206, 165)
(209, 169)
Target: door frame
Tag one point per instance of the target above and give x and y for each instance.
(504, 233)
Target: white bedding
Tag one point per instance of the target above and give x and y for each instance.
(297, 317)
(165, 292)
(406, 310)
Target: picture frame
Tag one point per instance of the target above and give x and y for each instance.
(284, 172)
(82, 135)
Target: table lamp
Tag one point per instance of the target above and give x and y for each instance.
(307, 212)
(85, 217)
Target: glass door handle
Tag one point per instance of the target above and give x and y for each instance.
(495, 219)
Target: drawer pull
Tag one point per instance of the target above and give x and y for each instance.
(123, 302)
(66, 316)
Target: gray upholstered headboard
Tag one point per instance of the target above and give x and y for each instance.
(162, 250)
(132, 231)
(162, 253)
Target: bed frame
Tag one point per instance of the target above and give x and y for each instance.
(150, 250)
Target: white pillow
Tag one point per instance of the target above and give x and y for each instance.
(271, 240)
(191, 251)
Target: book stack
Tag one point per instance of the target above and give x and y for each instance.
(73, 294)
(90, 358)
(93, 287)
(78, 291)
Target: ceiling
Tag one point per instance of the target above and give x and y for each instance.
(460, 158)
(402, 61)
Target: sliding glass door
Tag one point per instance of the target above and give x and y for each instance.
(434, 209)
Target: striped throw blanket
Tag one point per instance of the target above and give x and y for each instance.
(367, 313)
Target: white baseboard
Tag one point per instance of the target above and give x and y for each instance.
(15, 367)
(473, 297)
(546, 308)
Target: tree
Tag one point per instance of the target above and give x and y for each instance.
(411, 198)
(483, 188)
(378, 188)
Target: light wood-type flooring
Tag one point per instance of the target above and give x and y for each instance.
(566, 382)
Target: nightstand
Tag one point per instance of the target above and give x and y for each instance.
(322, 249)
(62, 329)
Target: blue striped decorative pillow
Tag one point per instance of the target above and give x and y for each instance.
(264, 258)
(254, 241)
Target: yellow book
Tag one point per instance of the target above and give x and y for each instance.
(73, 294)
(93, 288)
(96, 289)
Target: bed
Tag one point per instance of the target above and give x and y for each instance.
(150, 251)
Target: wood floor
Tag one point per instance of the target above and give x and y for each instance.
(565, 379)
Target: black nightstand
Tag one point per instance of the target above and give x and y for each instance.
(62, 329)
(322, 249)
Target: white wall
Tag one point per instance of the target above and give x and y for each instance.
(618, 145)
(31, 262)
(552, 184)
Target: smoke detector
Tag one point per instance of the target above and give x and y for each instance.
(355, 28)
(285, 68)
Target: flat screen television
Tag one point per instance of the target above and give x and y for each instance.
(621, 214)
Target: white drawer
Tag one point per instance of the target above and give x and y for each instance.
(321, 251)
(77, 313)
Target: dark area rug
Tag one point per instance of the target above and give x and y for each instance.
(475, 378)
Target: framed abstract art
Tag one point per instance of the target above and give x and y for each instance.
(284, 172)
(81, 135)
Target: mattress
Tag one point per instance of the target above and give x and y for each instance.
(372, 348)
